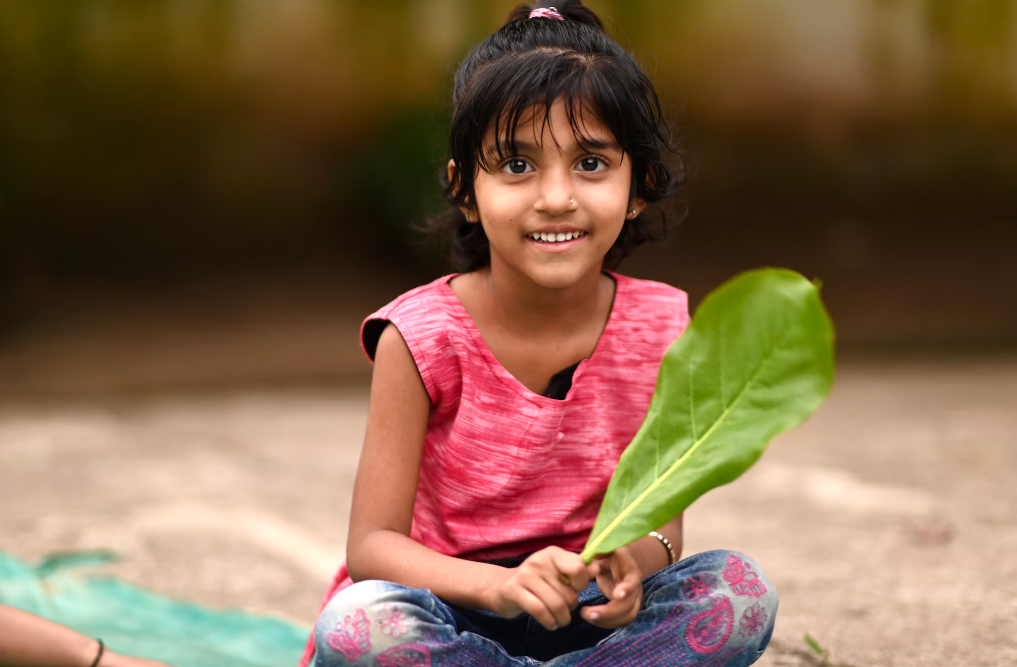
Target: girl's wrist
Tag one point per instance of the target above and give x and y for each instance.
(96, 654)
(489, 592)
(649, 554)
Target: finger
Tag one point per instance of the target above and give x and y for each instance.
(544, 565)
(536, 608)
(626, 574)
(554, 600)
(622, 584)
(605, 579)
(557, 579)
(576, 574)
(615, 614)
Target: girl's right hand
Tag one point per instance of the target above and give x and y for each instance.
(546, 586)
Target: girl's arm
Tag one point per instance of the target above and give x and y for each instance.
(379, 546)
(27, 640)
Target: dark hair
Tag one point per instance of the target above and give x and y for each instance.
(532, 62)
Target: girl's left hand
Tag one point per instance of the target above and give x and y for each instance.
(621, 581)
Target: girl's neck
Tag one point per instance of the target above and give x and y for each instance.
(534, 331)
(518, 303)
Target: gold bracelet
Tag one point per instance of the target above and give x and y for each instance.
(667, 545)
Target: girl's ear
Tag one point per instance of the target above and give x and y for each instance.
(470, 217)
(451, 170)
(636, 206)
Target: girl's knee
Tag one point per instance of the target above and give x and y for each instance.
(723, 597)
(367, 617)
(745, 577)
(715, 607)
(722, 571)
(751, 598)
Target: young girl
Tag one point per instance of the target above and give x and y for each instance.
(503, 396)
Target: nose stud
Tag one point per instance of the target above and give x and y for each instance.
(571, 202)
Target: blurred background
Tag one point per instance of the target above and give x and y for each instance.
(200, 200)
(189, 176)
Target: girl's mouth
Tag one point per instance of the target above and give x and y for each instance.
(541, 237)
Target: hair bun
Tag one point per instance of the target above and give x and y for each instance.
(571, 10)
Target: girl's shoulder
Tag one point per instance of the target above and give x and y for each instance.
(423, 312)
(429, 319)
(651, 305)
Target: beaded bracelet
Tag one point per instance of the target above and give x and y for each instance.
(667, 545)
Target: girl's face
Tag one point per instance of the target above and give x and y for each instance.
(553, 210)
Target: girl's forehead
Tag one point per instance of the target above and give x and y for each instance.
(540, 128)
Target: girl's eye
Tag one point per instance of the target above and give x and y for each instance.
(516, 167)
(592, 164)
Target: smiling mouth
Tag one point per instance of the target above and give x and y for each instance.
(555, 238)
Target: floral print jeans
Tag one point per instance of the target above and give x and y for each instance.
(711, 609)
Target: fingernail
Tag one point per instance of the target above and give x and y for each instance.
(593, 615)
(622, 592)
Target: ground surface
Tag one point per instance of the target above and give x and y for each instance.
(887, 522)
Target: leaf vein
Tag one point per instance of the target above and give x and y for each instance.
(627, 509)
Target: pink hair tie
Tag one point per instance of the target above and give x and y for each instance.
(548, 13)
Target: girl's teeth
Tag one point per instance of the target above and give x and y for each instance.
(555, 238)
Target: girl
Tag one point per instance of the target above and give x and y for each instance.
(485, 463)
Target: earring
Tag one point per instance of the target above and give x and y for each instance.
(632, 214)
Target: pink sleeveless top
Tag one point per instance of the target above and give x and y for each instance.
(505, 471)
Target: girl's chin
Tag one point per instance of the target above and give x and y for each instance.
(559, 275)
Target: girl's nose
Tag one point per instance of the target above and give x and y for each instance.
(556, 196)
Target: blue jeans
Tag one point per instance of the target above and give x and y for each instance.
(715, 608)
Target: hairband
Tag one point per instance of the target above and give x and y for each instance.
(546, 13)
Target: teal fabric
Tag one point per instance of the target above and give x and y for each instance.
(134, 621)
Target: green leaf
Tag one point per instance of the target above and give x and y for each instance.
(756, 361)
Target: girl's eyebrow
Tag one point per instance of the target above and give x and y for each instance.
(585, 143)
(600, 144)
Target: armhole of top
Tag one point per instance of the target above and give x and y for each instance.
(370, 335)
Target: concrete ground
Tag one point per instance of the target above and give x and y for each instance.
(886, 522)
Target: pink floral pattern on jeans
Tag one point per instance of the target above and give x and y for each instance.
(753, 621)
(352, 637)
(742, 578)
(699, 586)
(393, 621)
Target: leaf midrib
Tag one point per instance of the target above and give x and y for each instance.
(628, 508)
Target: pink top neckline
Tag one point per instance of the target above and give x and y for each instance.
(503, 373)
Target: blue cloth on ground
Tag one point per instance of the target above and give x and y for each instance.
(134, 621)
